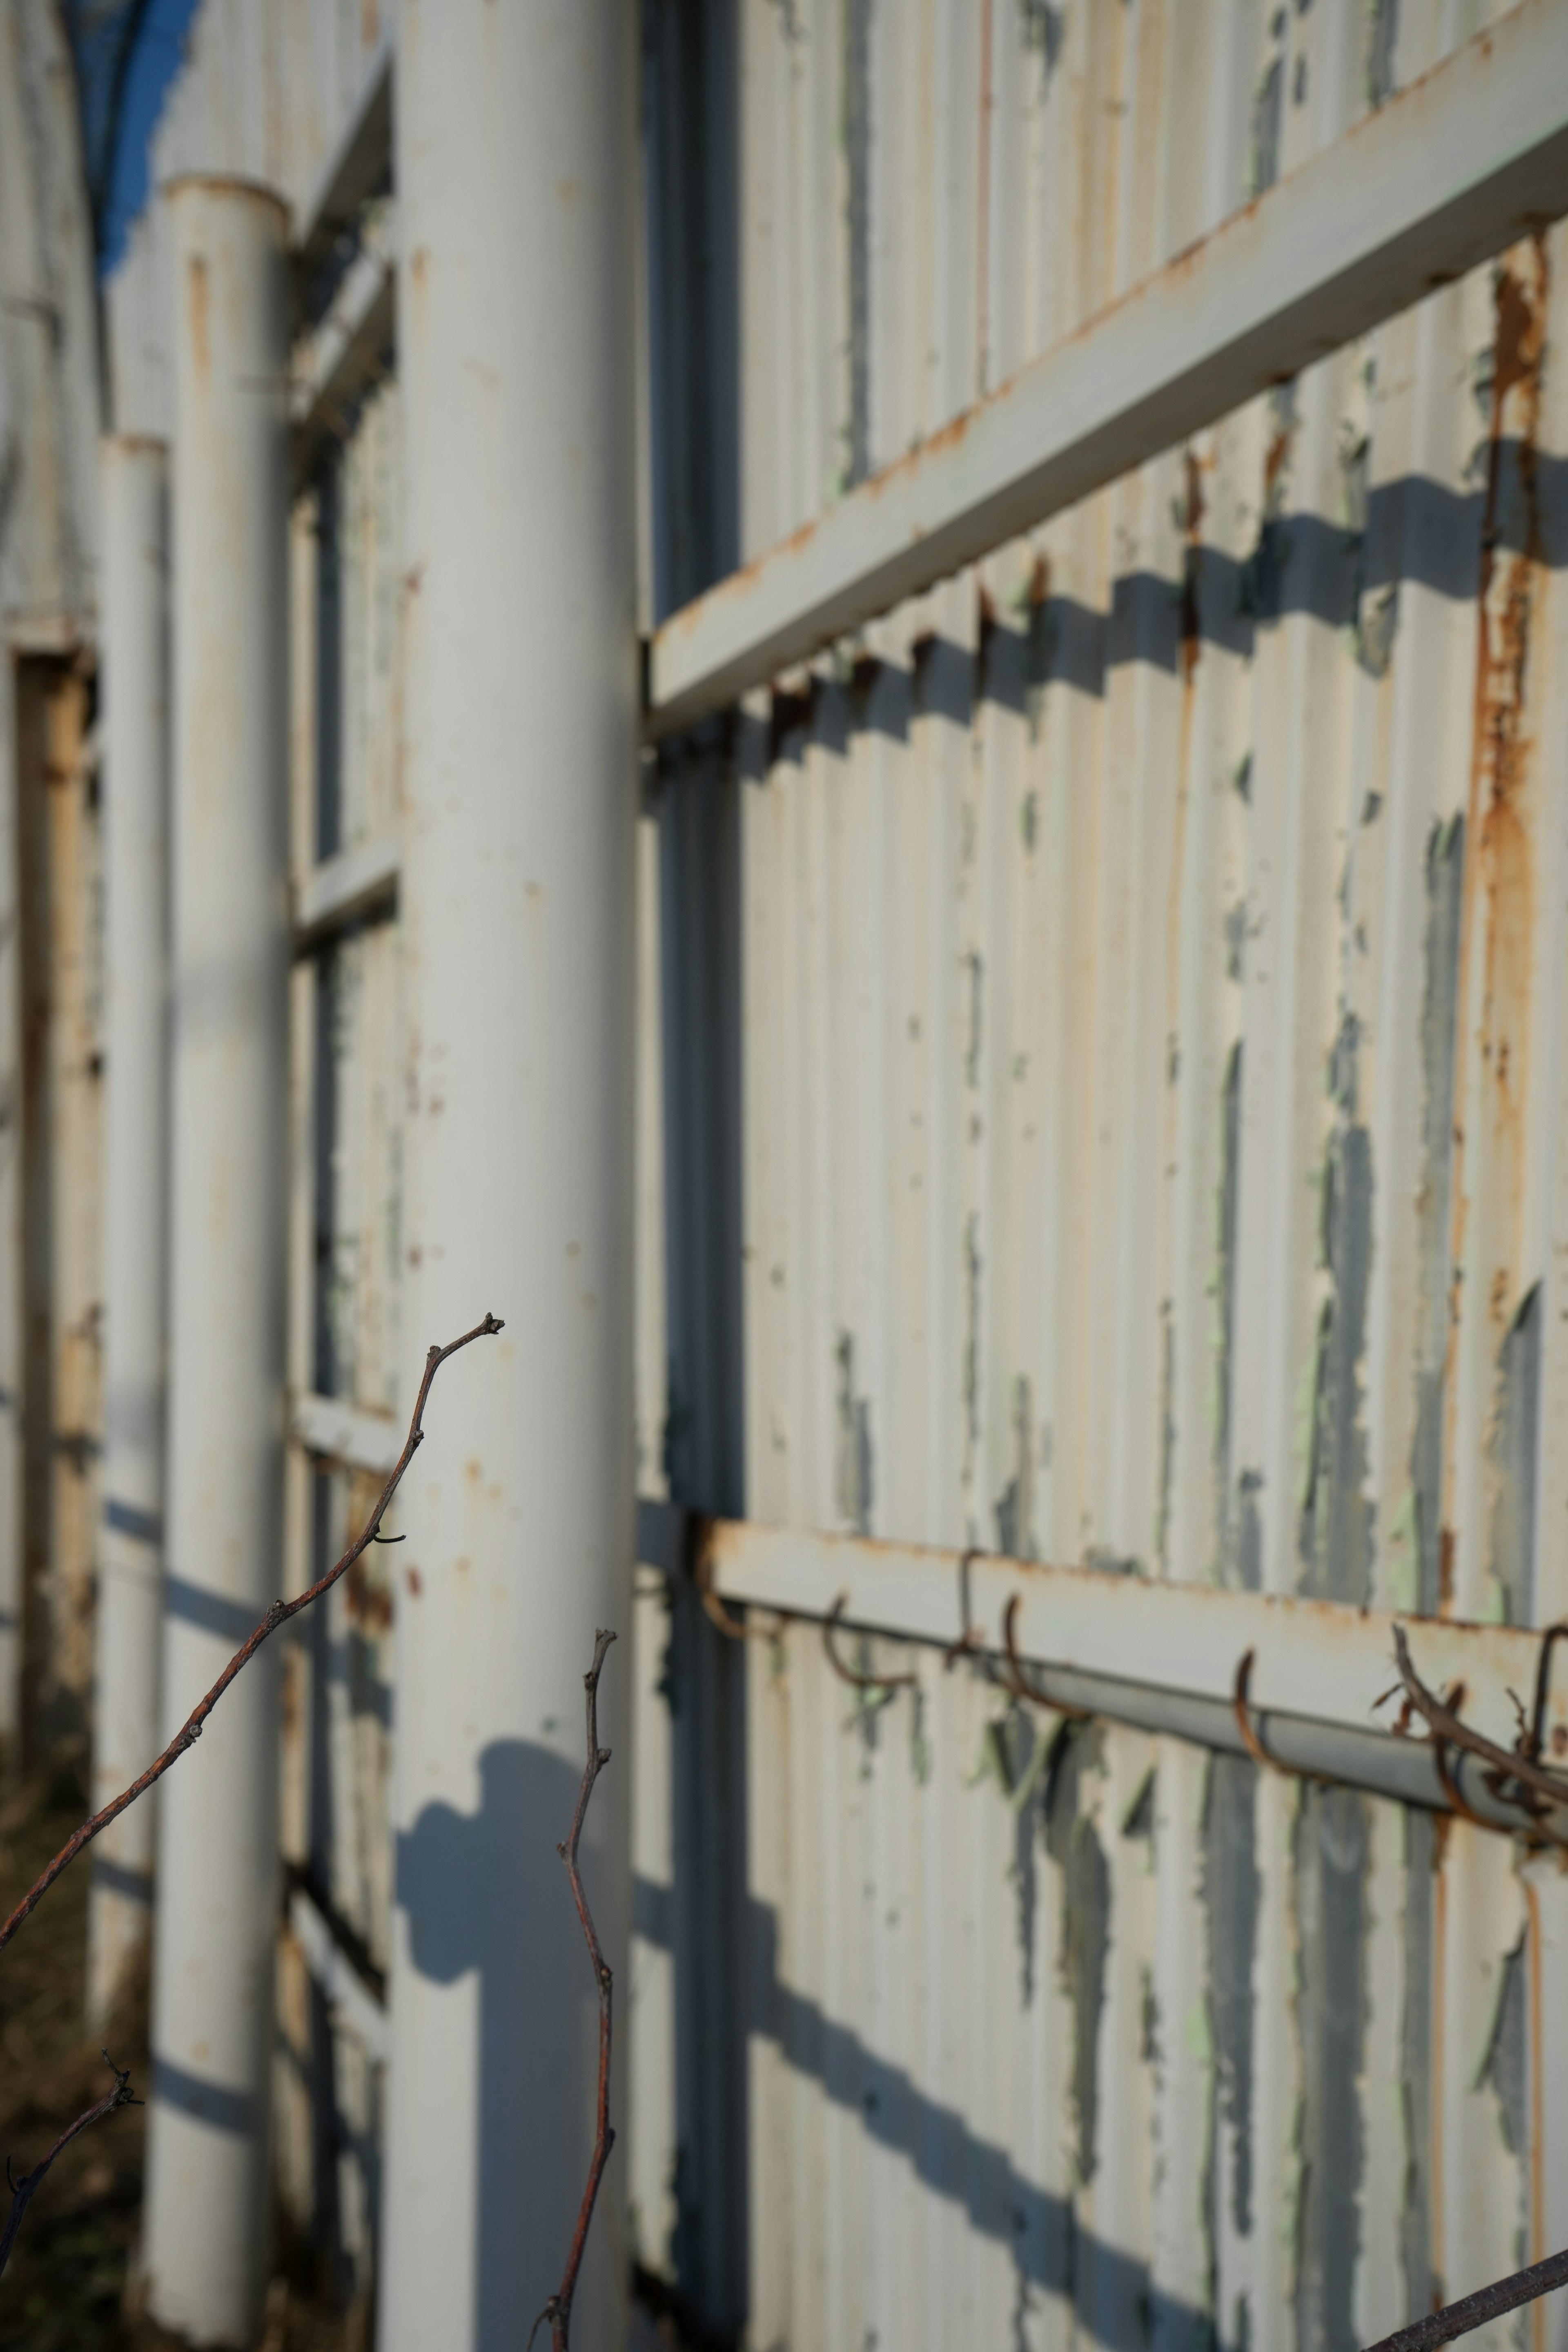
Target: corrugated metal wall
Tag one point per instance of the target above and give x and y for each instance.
(1147, 1111)
(1100, 1099)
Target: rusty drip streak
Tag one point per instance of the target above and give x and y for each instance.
(1495, 760)
(278, 1614)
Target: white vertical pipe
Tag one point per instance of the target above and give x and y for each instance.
(217, 1864)
(516, 149)
(134, 482)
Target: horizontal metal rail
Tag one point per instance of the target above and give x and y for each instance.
(344, 1432)
(341, 1979)
(343, 355)
(1457, 167)
(359, 166)
(356, 884)
(1157, 1657)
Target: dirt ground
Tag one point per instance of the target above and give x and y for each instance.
(70, 2281)
(71, 2285)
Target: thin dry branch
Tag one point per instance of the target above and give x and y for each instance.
(22, 2190)
(1474, 2310)
(1514, 1776)
(278, 1614)
(558, 2310)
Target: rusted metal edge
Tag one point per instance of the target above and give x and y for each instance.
(356, 884)
(359, 165)
(1153, 1656)
(1461, 163)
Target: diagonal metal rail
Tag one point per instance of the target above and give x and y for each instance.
(1460, 164)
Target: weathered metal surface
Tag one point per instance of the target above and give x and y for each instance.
(48, 341)
(1455, 167)
(1100, 1099)
(1151, 1143)
(1321, 1658)
(292, 94)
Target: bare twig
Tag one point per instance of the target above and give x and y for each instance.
(278, 1614)
(1514, 1777)
(22, 2190)
(1473, 2311)
(558, 2310)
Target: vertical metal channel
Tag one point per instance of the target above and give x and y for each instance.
(60, 1067)
(217, 1830)
(134, 485)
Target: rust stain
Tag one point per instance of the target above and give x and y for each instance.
(291, 1712)
(1501, 751)
(369, 1605)
(1277, 457)
(1209, 250)
(416, 1582)
(1498, 919)
(201, 313)
(1192, 618)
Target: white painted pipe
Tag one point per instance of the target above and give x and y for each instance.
(217, 1861)
(516, 149)
(133, 483)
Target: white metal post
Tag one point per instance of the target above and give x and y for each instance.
(217, 1866)
(133, 479)
(516, 150)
